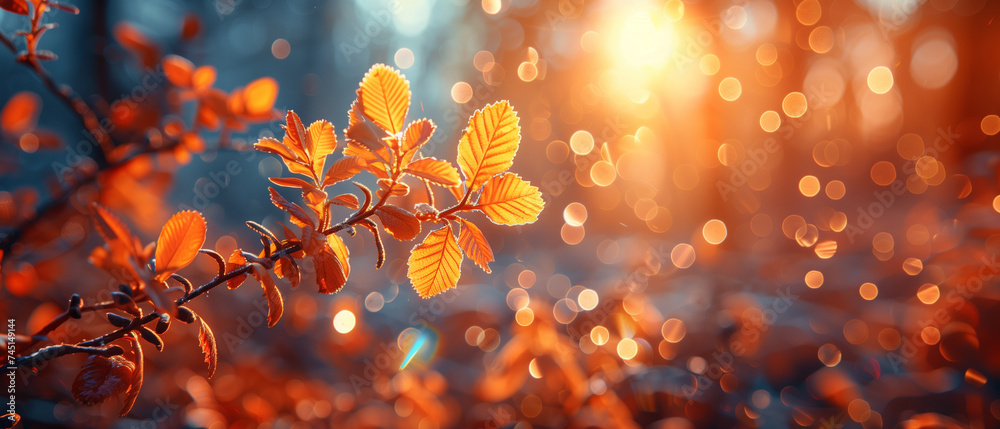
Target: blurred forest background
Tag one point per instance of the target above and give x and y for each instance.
(758, 213)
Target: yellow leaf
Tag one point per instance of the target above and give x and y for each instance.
(343, 169)
(179, 242)
(275, 304)
(385, 97)
(508, 200)
(437, 171)
(398, 222)
(417, 133)
(489, 144)
(324, 142)
(435, 264)
(474, 244)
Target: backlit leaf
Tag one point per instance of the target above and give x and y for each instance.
(275, 304)
(474, 244)
(435, 264)
(20, 114)
(291, 182)
(417, 133)
(272, 145)
(298, 215)
(136, 383)
(385, 97)
(342, 253)
(329, 275)
(236, 261)
(138, 43)
(346, 200)
(489, 144)
(398, 222)
(178, 70)
(206, 339)
(323, 141)
(295, 136)
(259, 96)
(508, 200)
(435, 170)
(343, 169)
(397, 189)
(179, 241)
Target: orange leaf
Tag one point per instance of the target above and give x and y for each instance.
(397, 190)
(275, 304)
(206, 339)
(299, 216)
(179, 242)
(291, 182)
(286, 267)
(435, 264)
(474, 244)
(437, 171)
(259, 96)
(203, 77)
(342, 253)
(329, 275)
(508, 200)
(489, 144)
(20, 115)
(324, 142)
(236, 261)
(133, 40)
(347, 200)
(111, 228)
(295, 136)
(272, 145)
(417, 133)
(102, 377)
(19, 7)
(398, 222)
(385, 97)
(343, 169)
(178, 70)
(136, 383)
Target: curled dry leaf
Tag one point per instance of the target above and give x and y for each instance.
(275, 304)
(102, 377)
(206, 339)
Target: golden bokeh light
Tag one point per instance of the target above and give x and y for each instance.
(794, 105)
(582, 142)
(627, 348)
(461, 92)
(344, 321)
(990, 125)
(880, 80)
(809, 186)
(730, 89)
(770, 121)
(814, 279)
(868, 291)
(714, 231)
(404, 58)
(709, 64)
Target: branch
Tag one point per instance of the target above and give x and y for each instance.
(53, 352)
